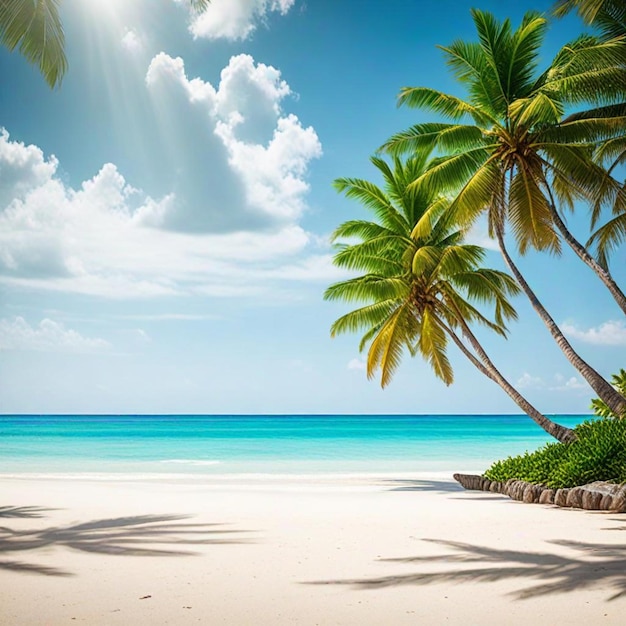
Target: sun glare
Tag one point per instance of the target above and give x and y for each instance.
(113, 10)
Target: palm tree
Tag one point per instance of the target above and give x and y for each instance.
(517, 157)
(421, 282)
(35, 28)
(609, 16)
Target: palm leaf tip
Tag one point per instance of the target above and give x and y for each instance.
(35, 28)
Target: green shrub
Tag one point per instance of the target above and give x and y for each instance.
(599, 453)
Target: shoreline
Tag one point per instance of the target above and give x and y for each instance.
(244, 477)
(396, 550)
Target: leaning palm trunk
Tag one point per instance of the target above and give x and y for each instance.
(561, 433)
(614, 400)
(586, 258)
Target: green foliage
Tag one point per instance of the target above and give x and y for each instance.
(608, 15)
(506, 147)
(420, 282)
(599, 407)
(34, 27)
(599, 453)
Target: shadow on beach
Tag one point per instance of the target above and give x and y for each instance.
(438, 486)
(594, 566)
(141, 535)
(28, 512)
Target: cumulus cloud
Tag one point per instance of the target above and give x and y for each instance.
(611, 333)
(557, 383)
(526, 381)
(357, 364)
(248, 160)
(228, 173)
(47, 336)
(234, 19)
(22, 168)
(98, 240)
(133, 42)
(570, 384)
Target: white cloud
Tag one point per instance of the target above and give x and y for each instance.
(168, 317)
(133, 41)
(231, 171)
(47, 336)
(22, 168)
(255, 157)
(526, 381)
(611, 333)
(97, 240)
(571, 384)
(558, 383)
(234, 19)
(357, 364)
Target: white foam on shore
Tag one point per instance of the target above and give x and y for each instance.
(197, 462)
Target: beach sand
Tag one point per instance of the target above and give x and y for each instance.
(256, 551)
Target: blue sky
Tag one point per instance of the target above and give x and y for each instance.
(164, 215)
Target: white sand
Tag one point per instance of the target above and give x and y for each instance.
(301, 552)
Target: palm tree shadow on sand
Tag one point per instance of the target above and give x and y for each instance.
(439, 486)
(594, 566)
(30, 512)
(418, 484)
(141, 535)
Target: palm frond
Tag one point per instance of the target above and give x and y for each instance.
(441, 103)
(374, 199)
(199, 5)
(608, 15)
(586, 130)
(362, 229)
(428, 219)
(591, 86)
(430, 136)
(487, 286)
(612, 152)
(469, 64)
(459, 311)
(540, 109)
(370, 287)
(450, 172)
(35, 27)
(598, 186)
(521, 62)
(457, 258)
(478, 193)
(363, 318)
(380, 255)
(589, 70)
(425, 259)
(607, 238)
(432, 344)
(529, 214)
(369, 335)
(385, 352)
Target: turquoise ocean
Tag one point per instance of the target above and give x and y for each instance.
(156, 446)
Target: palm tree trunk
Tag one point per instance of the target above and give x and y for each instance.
(561, 433)
(586, 258)
(614, 400)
